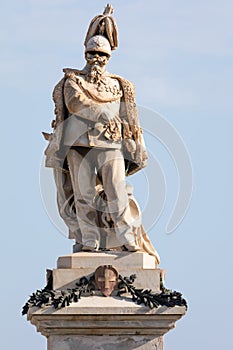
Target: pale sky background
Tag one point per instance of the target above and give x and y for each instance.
(179, 55)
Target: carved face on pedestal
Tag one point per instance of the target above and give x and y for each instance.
(106, 279)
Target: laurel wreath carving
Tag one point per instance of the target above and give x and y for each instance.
(149, 298)
(86, 287)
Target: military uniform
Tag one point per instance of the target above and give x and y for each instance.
(95, 147)
(96, 134)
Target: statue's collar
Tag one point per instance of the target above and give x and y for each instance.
(84, 71)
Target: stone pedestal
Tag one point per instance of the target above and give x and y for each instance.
(99, 323)
(72, 267)
(105, 323)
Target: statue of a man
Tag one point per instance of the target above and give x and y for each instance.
(97, 141)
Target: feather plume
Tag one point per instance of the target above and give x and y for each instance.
(109, 29)
(104, 25)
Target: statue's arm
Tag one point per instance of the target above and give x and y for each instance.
(77, 103)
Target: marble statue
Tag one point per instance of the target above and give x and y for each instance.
(96, 142)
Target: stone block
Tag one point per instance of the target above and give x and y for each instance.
(91, 260)
(100, 323)
(105, 342)
(146, 279)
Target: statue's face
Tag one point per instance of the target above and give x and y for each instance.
(96, 62)
(95, 58)
(106, 278)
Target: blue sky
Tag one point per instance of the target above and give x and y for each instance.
(179, 55)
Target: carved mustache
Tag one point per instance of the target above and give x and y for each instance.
(101, 61)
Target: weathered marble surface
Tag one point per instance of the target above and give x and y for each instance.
(138, 260)
(97, 140)
(104, 323)
(105, 343)
(99, 323)
(67, 278)
(72, 267)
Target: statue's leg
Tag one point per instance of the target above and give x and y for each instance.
(81, 165)
(65, 203)
(111, 169)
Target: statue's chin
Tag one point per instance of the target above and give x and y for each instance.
(107, 292)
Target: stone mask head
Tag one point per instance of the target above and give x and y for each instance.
(106, 279)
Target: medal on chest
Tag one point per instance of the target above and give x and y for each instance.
(105, 90)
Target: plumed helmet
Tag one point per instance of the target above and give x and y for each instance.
(104, 25)
(98, 43)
